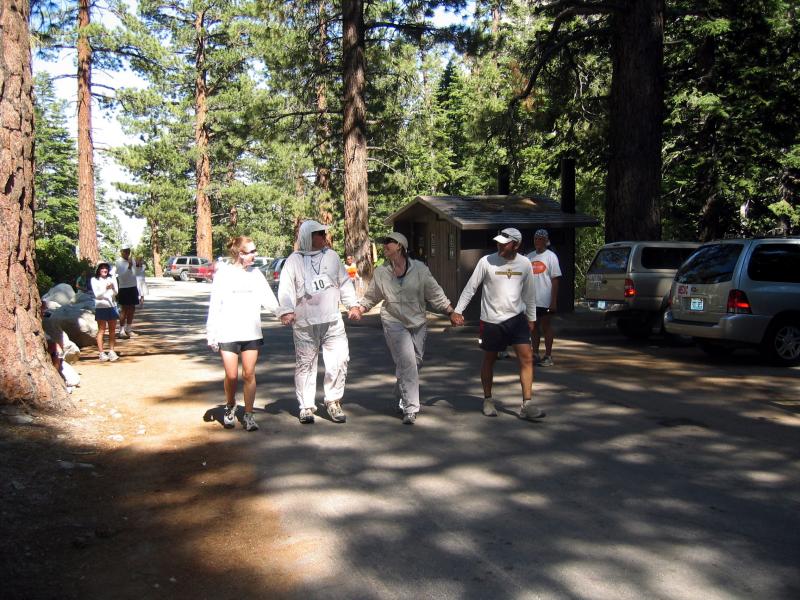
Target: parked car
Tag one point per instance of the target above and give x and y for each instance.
(262, 261)
(630, 282)
(168, 265)
(273, 272)
(191, 267)
(735, 293)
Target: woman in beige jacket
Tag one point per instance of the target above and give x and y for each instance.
(404, 285)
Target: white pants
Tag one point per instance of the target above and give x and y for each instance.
(407, 346)
(335, 354)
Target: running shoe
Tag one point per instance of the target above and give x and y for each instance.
(102, 357)
(530, 412)
(229, 418)
(112, 356)
(306, 416)
(249, 422)
(335, 411)
(488, 407)
(409, 418)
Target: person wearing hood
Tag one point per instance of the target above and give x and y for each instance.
(313, 282)
(404, 285)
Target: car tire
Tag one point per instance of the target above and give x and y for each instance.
(714, 349)
(781, 342)
(176, 278)
(634, 329)
(184, 275)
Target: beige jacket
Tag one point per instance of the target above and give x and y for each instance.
(404, 298)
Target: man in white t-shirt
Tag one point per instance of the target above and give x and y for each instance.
(508, 315)
(313, 281)
(127, 271)
(546, 274)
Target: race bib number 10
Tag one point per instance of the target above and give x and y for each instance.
(319, 284)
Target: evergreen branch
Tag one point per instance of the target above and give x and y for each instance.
(413, 28)
(584, 8)
(551, 49)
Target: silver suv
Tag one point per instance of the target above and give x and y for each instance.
(735, 293)
(630, 282)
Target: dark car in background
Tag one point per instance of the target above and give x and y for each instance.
(739, 293)
(272, 272)
(630, 282)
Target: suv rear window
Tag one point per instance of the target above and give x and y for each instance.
(775, 262)
(611, 260)
(710, 264)
(664, 258)
(181, 261)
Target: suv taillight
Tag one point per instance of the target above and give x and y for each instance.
(738, 303)
(276, 275)
(630, 289)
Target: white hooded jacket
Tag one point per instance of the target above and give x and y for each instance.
(313, 282)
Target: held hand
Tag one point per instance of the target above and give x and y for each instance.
(214, 346)
(354, 314)
(456, 319)
(287, 319)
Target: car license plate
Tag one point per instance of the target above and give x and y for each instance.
(601, 304)
(696, 304)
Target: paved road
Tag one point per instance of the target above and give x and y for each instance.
(657, 473)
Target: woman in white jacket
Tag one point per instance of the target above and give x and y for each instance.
(404, 285)
(104, 287)
(234, 325)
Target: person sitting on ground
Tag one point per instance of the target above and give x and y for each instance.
(233, 327)
(104, 288)
(404, 285)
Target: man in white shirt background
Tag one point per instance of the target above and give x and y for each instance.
(546, 274)
(508, 315)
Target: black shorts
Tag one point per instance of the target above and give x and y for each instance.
(239, 347)
(542, 311)
(496, 337)
(128, 296)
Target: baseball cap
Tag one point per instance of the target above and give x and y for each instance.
(395, 237)
(315, 226)
(541, 233)
(509, 234)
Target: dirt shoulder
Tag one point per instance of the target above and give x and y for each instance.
(115, 498)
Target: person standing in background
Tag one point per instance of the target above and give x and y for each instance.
(546, 275)
(126, 271)
(104, 288)
(141, 283)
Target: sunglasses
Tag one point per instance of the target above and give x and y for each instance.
(253, 251)
(322, 233)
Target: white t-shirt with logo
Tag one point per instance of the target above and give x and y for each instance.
(545, 268)
(507, 288)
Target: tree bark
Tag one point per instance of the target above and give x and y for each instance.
(201, 136)
(636, 122)
(356, 208)
(155, 246)
(323, 128)
(87, 211)
(27, 375)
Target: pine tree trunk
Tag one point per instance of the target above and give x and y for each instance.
(87, 211)
(202, 163)
(155, 246)
(27, 375)
(323, 128)
(636, 122)
(356, 208)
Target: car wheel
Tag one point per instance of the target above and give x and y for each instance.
(634, 329)
(176, 278)
(714, 349)
(782, 343)
(184, 275)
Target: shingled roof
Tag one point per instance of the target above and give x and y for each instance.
(481, 212)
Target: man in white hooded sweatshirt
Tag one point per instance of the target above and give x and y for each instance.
(313, 281)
